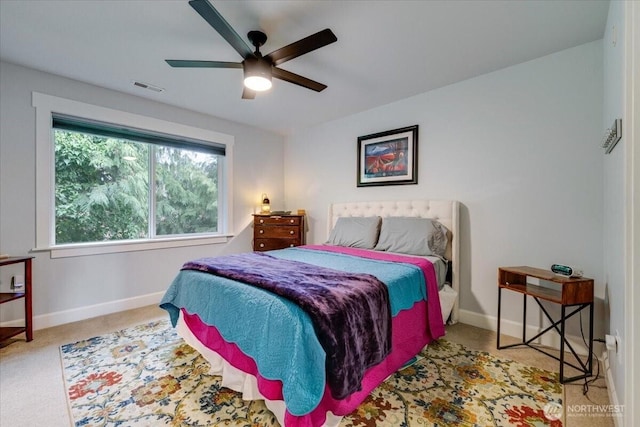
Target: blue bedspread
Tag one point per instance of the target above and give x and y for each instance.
(350, 311)
(275, 332)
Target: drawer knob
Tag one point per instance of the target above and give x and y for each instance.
(291, 221)
(261, 231)
(261, 221)
(262, 245)
(292, 232)
(291, 245)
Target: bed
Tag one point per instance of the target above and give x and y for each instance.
(371, 301)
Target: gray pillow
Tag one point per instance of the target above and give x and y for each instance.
(413, 236)
(356, 232)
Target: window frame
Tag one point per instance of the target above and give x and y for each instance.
(46, 105)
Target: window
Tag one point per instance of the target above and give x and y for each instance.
(118, 181)
(124, 184)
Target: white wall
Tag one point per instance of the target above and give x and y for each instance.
(614, 189)
(630, 369)
(71, 288)
(519, 148)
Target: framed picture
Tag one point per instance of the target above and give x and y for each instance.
(388, 158)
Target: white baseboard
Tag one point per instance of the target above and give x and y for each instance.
(82, 313)
(611, 388)
(514, 329)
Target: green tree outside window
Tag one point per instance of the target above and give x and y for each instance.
(105, 190)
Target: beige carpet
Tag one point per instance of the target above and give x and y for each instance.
(32, 391)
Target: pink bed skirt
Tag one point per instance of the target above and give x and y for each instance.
(409, 335)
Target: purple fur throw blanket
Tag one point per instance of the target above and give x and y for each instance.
(350, 312)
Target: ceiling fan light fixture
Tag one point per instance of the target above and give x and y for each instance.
(257, 83)
(257, 75)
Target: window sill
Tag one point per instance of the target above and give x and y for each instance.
(138, 245)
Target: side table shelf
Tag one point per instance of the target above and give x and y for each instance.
(8, 332)
(574, 294)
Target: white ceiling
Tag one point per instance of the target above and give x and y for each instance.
(386, 50)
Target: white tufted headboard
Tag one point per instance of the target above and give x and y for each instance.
(444, 211)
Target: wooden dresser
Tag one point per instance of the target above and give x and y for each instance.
(278, 231)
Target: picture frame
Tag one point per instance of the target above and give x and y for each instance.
(388, 158)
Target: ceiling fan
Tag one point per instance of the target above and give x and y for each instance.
(258, 69)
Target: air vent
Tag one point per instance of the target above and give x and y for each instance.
(612, 136)
(148, 86)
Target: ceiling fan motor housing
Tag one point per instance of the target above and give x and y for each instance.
(257, 67)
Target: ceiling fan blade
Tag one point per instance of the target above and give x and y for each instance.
(290, 77)
(179, 63)
(211, 15)
(248, 93)
(305, 45)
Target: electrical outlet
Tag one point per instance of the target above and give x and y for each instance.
(619, 346)
(614, 36)
(17, 282)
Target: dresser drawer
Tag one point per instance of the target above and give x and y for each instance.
(272, 244)
(277, 220)
(281, 232)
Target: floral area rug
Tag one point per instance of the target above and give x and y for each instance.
(148, 376)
